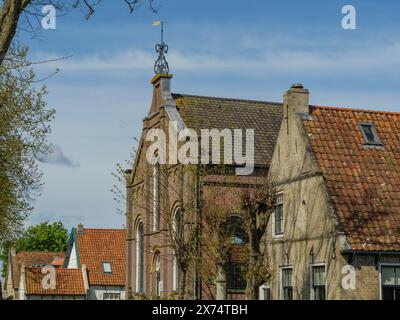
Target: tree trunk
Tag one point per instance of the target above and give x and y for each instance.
(9, 18)
(252, 289)
(254, 256)
(182, 285)
(221, 283)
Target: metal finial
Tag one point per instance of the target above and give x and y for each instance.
(161, 65)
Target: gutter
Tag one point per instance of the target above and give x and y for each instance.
(377, 252)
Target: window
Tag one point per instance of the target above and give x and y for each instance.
(287, 283)
(235, 279)
(318, 274)
(157, 274)
(264, 292)
(111, 296)
(370, 134)
(178, 223)
(278, 217)
(156, 196)
(236, 230)
(139, 257)
(390, 279)
(107, 267)
(178, 233)
(175, 275)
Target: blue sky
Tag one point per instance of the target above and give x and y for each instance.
(245, 49)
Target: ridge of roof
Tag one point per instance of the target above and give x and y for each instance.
(103, 229)
(355, 110)
(39, 252)
(177, 95)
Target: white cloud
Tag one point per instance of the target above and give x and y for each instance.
(281, 60)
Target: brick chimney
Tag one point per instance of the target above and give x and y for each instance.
(296, 99)
(295, 102)
(161, 91)
(80, 229)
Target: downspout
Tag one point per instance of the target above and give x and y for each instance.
(22, 284)
(86, 281)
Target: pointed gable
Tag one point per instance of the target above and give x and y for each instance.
(99, 249)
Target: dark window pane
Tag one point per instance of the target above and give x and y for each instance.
(288, 293)
(267, 293)
(388, 293)
(287, 285)
(235, 279)
(369, 134)
(279, 219)
(319, 293)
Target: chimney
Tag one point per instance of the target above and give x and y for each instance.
(296, 99)
(12, 252)
(80, 229)
(161, 91)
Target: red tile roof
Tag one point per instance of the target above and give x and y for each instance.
(68, 282)
(362, 181)
(32, 259)
(96, 246)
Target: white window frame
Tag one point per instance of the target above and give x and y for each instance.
(138, 289)
(384, 264)
(157, 272)
(107, 263)
(114, 294)
(175, 269)
(281, 294)
(156, 195)
(261, 291)
(280, 235)
(312, 266)
(175, 274)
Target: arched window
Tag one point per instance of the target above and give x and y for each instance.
(139, 257)
(178, 233)
(156, 194)
(177, 223)
(235, 228)
(157, 274)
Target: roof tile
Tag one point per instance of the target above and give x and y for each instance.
(96, 246)
(364, 184)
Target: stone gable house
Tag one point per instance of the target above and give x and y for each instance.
(335, 233)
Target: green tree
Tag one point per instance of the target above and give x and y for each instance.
(24, 127)
(47, 237)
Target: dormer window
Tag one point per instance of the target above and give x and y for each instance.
(370, 134)
(107, 267)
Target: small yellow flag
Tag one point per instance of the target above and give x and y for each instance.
(157, 23)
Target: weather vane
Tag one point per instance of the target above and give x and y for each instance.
(161, 65)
